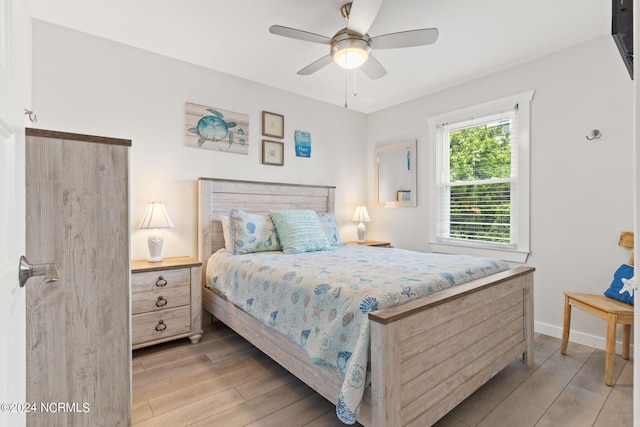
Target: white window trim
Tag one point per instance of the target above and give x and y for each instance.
(523, 100)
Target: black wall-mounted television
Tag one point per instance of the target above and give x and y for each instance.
(622, 30)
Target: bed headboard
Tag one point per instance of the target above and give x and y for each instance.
(219, 196)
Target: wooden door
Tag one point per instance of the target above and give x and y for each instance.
(78, 333)
(13, 100)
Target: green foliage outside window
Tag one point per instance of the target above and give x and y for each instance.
(481, 209)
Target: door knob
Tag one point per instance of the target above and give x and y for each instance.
(27, 270)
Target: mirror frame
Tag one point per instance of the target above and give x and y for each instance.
(411, 144)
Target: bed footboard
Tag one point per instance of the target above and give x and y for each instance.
(431, 354)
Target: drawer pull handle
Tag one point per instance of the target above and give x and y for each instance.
(162, 301)
(161, 326)
(161, 282)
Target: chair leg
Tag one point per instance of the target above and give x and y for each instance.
(567, 325)
(611, 350)
(626, 334)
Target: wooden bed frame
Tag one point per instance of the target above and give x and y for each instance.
(427, 356)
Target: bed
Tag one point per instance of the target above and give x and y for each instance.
(427, 355)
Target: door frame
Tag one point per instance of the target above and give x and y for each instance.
(15, 85)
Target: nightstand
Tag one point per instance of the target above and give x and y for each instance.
(371, 243)
(166, 301)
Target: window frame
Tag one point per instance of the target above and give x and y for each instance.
(522, 208)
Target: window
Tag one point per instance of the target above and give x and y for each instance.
(477, 201)
(481, 194)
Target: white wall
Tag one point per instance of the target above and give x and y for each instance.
(581, 191)
(89, 85)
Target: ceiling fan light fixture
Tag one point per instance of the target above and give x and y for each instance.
(351, 46)
(350, 53)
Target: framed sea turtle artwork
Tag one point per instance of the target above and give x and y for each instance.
(216, 129)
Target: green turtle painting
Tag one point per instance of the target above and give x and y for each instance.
(213, 128)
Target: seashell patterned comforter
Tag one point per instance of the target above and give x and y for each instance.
(320, 300)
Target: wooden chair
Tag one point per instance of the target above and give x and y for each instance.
(613, 311)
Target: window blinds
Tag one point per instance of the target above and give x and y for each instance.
(477, 181)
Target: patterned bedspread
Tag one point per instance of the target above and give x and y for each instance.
(320, 300)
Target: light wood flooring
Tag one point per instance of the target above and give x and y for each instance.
(225, 381)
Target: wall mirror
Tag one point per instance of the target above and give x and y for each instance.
(395, 174)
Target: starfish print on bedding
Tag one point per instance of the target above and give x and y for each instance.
(628, 285)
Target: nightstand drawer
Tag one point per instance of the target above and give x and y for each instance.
(157, 325)
(166, 279)
(161, 299)
(166, 300)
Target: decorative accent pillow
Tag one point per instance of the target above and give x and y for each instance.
(251, 232)
(622, 286)
(226, 233)
(330, 228)
(299, 231)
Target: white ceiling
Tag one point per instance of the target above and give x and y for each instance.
(477, 37)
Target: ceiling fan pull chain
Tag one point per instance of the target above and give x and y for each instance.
(346, 105)
(355, 89)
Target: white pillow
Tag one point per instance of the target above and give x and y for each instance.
(224, 220)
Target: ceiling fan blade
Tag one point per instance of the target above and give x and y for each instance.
(299, 34)
(405, 39)
(362, 15)
(316, 65)
(373, 68)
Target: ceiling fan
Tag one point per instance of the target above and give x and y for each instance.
(351, 46)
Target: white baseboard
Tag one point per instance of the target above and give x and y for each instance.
(580, 337)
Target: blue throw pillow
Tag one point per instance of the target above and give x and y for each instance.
(251, 232)
(330, 227)
(300, 231)
(623, 285)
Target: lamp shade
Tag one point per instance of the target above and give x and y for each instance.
(156, 217)
(361, 214)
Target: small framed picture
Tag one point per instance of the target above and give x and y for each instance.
(404, 195)
(272, 125)
(272, 153)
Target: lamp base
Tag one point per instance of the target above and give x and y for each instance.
(155, 241)
(362, 230)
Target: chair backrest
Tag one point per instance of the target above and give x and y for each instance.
(626, 240)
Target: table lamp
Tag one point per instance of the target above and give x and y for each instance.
(155, 218)
(361, 215)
